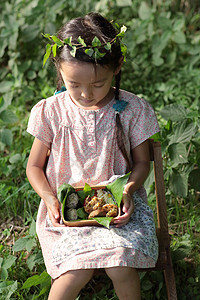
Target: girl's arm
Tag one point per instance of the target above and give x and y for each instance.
(38, 180)
(141, 159)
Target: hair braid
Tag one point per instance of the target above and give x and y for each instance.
(120, 136)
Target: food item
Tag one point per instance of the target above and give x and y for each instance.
(71, 214)
(100, 205)
(72, 200)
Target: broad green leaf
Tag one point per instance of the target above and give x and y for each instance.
(31, 74)
(8, 116)
(146, 285)
(96, 42)
(178, 153)
(164, 22)
(150, 179)
(36, 279)
(160, 42)
(178, 183)
(81, 213)
(157, 60)
(178, 24)
(87, 189)
(30, 33)
(144, 11)
(6, 100)
(81, 41)
(123, 3)
(56, 40)
(6, 137)
(4, 273)
(7, 288)
(8, 262)
(171, 57)
(47, 54)
(117, 187)
(174, 112)
(179, 37)
(105, 221)
(183, 132)
(30, 244)
(16, 158)
(4, 44)
(32, 229)
(31, 261)
(20, 244)
(63, 190)
(194, 179)
(6, 86)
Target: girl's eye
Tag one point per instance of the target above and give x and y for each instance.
(74, 85)
(98, 86)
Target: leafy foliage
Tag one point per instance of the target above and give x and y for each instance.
(163, 41)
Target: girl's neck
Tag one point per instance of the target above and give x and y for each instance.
(108, 98)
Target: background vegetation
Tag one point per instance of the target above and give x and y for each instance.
(162, 66)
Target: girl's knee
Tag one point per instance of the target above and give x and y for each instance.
(83, 275)
(76, 277)
(121, 273)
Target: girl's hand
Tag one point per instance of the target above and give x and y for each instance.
(128, 209)
(54, 213)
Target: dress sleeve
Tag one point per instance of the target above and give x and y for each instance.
(143, 125)
(39, 124)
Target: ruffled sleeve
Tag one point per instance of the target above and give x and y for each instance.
(39, 124)
(143, 124)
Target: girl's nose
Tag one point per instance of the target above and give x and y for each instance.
(86, 93)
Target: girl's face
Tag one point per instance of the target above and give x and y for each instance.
(87, 87)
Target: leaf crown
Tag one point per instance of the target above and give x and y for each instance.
(93, 50)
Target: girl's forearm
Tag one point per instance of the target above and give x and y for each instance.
(40, 184)
(138, 176)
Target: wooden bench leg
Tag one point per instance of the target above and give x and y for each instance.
(170, 283)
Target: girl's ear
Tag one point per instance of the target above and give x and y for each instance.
(121, 61)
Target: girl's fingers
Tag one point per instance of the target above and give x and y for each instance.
(128, 208)
(54, 214)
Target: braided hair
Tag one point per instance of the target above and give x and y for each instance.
(90, 26)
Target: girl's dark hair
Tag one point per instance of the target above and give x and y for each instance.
(87, 27)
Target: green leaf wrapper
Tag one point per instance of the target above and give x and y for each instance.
(117, 187)
(105, 221)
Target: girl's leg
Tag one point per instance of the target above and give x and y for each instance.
(68, 285)
(126, 282)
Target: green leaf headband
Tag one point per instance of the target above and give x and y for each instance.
(91, 50)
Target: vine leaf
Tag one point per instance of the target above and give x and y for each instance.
(57, 41)
(96, 42)
(81, 41)
(89, 52)
(47, 54)
(73, 51)
(108, 46)
(54, 49)
(68, 41)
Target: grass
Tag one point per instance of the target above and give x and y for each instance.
(19, 242)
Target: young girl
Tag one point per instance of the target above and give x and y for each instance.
(94, 131)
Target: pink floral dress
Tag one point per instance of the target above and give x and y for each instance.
(84, 149)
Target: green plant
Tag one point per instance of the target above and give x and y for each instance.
(163, 41)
